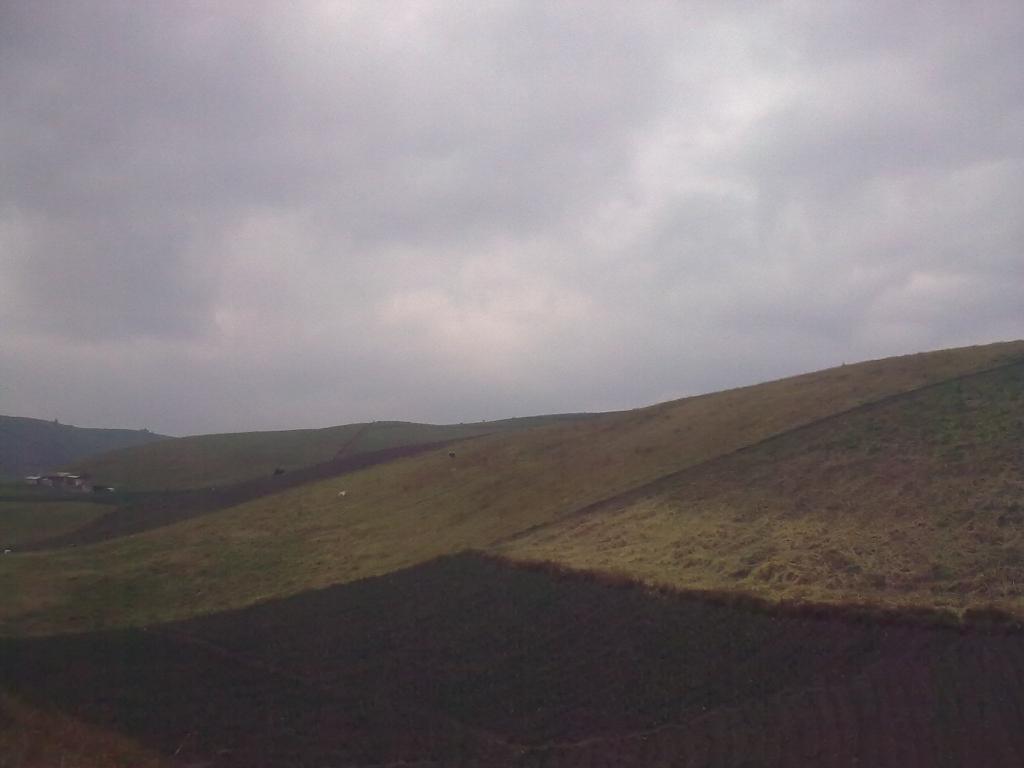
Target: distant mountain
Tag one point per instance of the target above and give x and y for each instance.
(34, 445)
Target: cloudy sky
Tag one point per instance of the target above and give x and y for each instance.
(242, 215)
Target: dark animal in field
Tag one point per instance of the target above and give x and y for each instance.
(278, 471)
(451, 454)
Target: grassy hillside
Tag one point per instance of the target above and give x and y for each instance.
(144, 511)
(202, 461)
(401, 513)
(30, 446)
(26, 522)
(915, 500)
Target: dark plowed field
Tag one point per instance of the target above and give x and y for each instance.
(159, 509)
(469, 661)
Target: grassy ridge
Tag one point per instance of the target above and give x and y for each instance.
(917, 500)
(202, 461)
(33, 445)
(402, 513)
(205, 460)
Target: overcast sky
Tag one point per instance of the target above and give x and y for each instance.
(241, 215)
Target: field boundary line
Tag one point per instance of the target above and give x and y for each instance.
(649, 487)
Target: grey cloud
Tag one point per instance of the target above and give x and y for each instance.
(298, 214)
(916, 87)
(156, 121)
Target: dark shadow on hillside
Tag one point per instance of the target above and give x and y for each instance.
(467, 660)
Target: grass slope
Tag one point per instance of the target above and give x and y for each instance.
(26, 522)
(161, 508)
(915, 500)
(202, 461)
(32, 445)
(401, 513)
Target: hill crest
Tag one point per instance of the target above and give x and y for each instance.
(29, 446)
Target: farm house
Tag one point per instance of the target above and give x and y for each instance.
(65, 480)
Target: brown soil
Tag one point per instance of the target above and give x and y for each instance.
(471, 661)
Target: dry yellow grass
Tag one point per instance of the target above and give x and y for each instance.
(915, 501)
(402, 513)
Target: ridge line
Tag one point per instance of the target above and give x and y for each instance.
(645, 488)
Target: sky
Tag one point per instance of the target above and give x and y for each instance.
(223, 216)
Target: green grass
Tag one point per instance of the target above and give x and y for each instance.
(406, 512)
(203, 461)
(207, 460)
(18, 490)
(23, 522)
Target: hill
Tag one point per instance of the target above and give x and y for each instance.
(24, 523)
(815, 571)
(914, 500)
(29, 446)
(146, 511)
(514, 491)
(202, 461)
